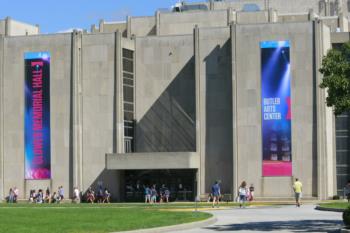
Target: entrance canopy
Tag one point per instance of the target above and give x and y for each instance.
(153, 160)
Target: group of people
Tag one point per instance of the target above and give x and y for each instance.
(48, 197)
(100, 196)
(13, 194)
(244, 194)
(151, 194)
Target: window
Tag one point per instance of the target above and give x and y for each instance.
(342, 134)
(128, 100)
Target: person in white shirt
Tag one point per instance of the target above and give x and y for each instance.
(76, 195)
(242, 192)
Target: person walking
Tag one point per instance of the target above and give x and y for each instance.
(251, 193)
(61, 192)
(216, 193)
(76, 195)
(242, 192)
(297, 187)
(16, 193)
(154, 194)
(148, 194)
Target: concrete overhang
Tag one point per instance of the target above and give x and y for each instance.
(340, 37)
(157, 160)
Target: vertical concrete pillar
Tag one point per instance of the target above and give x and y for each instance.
(324, 118)
(211, 5)
(272, 16)
(119, 117)
(7, 26)
(229, 16)
(77, 110)
(234, 109)
(311, 15)
(38, 27)
(119, 94)
(157, 23)
(327, 7)
(320, 147)
(93, 28)
(2, 48)
(128, 24)
(343, 23)
(101, 25)
(200, 114)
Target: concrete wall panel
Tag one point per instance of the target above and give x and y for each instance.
(184, 22)
(98, 59)
(165, 94)
(59, 47)
(142, 26)
(249, 107)
(216, 104)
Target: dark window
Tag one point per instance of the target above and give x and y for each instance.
(343, 157)
(128, 116)
(342, 143)
(128, 145)
(128, 94)
(129, 107)
(127, 75)
(342, 126)
(128, 66)
(128, 53)
(128, 99)
(128, 132)
(129, 82)
(342, 123)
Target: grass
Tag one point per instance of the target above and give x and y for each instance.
(171, 205)
(69, 218)
(335, 204)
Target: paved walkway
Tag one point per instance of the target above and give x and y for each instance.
(277, 219)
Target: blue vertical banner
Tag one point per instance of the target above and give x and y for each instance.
(276, 108)
(37, 116)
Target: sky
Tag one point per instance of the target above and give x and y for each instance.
(61, 15)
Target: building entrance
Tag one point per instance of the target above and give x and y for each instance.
(181, 183)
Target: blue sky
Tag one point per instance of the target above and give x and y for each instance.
(60, 15)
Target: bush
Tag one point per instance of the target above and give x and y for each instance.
(346, 217)
(335, 197)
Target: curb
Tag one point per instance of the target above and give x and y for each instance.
(184, 226)
(328, 209)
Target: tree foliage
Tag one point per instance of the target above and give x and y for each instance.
(336, 72)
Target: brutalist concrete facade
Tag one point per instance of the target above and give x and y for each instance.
(197, 101)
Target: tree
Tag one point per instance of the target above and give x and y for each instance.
(336, 72)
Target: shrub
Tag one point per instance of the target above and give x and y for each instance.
(335, 197)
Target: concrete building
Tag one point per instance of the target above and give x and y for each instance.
(10, 27)
(176, 99)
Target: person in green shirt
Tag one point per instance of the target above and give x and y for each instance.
(297, 187)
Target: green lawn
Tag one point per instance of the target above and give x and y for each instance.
(336, 205)
(89, 218)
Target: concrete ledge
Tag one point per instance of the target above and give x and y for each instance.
(328, 209)
(180, 227)
(158, 160)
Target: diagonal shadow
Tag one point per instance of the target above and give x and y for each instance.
(218, 114)
(292, 226)
(169, 125)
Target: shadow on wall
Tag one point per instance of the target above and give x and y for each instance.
(292, 226)
(170, 124)
(109, 179)
(218, 139)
